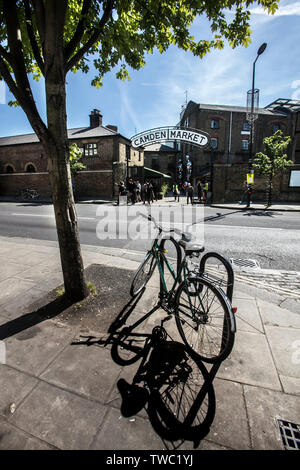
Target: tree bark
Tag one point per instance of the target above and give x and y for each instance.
(57, 150)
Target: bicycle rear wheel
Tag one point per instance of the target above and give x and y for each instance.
(203, 319)
(143, 274)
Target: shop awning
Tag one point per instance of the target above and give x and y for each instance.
(154, 174)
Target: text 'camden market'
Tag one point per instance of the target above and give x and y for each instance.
(169, 133)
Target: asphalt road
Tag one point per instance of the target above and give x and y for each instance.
(271, 238)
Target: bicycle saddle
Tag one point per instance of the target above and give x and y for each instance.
(191, 247)
(133, 397)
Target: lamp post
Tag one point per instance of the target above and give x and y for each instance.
(259, 52)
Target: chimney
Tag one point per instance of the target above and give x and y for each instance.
(95, 118)
(112, 128)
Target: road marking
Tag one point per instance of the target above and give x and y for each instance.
(48, 215)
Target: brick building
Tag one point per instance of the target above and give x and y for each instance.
(226, 158)
(104, 152)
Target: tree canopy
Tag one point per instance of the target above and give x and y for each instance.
(113, 33)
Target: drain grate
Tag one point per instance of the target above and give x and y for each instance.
(290, 434)
(245, 263)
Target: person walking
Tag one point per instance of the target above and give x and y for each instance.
(121, 191)
(175, 192)
(138, 191)
(199, 191)
(205, 189)
(249, 194)
(190, 193)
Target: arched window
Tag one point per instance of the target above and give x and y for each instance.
(30, 168)
(9, 169)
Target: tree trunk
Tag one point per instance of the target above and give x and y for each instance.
(57, 150)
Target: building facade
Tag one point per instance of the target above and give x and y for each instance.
(107, 155)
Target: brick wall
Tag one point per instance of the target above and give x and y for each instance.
(12, 184)
(228, 185)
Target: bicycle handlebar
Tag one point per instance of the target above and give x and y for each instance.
(186, 237)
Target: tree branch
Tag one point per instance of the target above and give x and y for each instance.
(40, 20)
(71, 46)
(31, 35)
(94, 37)
(20, 86)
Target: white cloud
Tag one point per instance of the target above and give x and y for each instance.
(283, 10)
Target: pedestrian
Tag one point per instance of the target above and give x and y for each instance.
(175, 192)
(249, 194)
(244, 195)
(144, 192)
(205, 189)
(122, 192)
(132, 190)
(154, 190)
(138, 191)
(199, 190)
(190, 193)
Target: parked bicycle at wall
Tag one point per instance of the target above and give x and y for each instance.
(29, 194)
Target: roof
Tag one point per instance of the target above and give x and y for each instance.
(78, 133)
(284, 105)
(159, 148)
(237, 109)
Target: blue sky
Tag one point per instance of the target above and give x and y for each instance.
(155, 94)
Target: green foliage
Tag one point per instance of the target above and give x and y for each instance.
(75, 155)
(274, 160)
(120, 33)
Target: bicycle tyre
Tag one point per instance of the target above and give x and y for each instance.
(204, 320)
(143, 274)
(172, 253)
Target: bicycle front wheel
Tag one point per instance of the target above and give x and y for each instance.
(143, 274)
(203, 319)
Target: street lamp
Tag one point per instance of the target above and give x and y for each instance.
(253, 91)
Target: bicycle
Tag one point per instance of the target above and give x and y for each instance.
(195, 296)
(29, 193)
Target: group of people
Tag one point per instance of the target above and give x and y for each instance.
(188, 190)
(137, 192)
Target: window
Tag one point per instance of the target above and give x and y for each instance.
(214, 142)
(246, 126)
(276, 128)
(245, 144)
(294, 179)
(30, 168)
(9, 169)
(214, 124)
(90, 150)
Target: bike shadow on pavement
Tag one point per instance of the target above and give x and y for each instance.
(171, 383)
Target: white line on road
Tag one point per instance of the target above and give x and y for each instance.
(48, 215)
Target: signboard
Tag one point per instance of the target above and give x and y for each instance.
(166, 134)
(250, 178)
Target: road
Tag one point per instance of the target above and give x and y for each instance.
(271, 238)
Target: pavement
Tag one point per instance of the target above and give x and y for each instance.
(55, 395)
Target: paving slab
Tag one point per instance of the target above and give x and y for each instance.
(62, 419)
(12, 438)
(122, 433)
(285, 345)
(11, 287)
(274, 315)
(290, 385)
(251, 362)
(15, 386)
(230, 426)
(263, 407)
(40, 274)
(247, 316)
(14, 307)
(86, 370)
(32, 349)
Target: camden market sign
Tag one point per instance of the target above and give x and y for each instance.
(166, 134)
